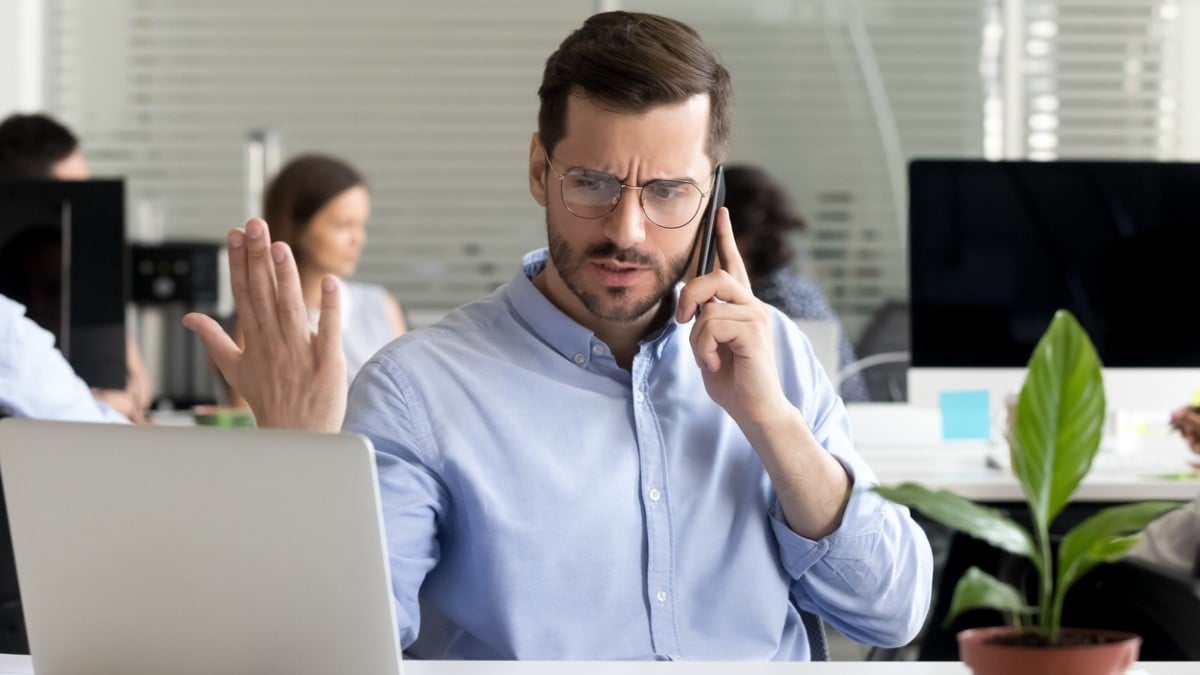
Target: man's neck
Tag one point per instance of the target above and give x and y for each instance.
(622, 337)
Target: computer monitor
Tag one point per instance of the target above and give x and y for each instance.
(63, 256)
(995, 247)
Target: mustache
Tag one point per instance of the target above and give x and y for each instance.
(609, 250)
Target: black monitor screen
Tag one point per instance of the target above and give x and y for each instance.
(996, 247)
(63, 256)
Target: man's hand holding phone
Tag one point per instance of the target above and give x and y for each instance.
(732, 337)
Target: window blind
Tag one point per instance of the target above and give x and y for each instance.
(435, 103)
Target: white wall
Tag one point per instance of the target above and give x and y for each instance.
(22, 36)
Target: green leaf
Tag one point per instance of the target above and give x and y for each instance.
(978, 589)
(1101, 538)
(1060, 415)
(963, 515)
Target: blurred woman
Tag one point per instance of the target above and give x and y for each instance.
(762, 218)
(320, 205)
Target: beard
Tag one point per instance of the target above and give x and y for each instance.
(614, 303)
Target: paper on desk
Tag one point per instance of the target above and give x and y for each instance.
(965, 415)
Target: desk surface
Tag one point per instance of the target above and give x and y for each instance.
(20, 665)
(962, 467)
(904, 443)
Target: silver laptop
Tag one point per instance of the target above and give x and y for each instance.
(144, 550)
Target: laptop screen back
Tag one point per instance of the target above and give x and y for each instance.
(198, 551)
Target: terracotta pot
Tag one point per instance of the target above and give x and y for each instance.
(983, 658)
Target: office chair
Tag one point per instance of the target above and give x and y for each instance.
(1160, 605)
(886, 333)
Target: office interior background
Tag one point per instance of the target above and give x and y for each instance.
(435, 103)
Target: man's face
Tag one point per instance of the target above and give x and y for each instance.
(619, 267)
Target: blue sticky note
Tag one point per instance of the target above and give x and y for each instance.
(965, 414)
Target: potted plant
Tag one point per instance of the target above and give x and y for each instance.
(1053, 439)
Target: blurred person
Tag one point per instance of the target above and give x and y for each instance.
(37, 147)
(1173, 540)
(763, 217)
(36, 380)
(320, 205)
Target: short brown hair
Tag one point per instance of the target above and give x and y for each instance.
(30, 146)
(633, 62)
(300, 189)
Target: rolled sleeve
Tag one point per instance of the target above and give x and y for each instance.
(872, 577)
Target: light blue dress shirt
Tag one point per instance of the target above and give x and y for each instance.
(35, 380)
(541, 502)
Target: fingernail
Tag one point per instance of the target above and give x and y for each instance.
(254, 229)
(328, 284)
(278, 253)
(237, 239)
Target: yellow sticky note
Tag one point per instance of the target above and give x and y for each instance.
(1195, 397)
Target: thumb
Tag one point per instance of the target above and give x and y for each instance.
(220, 347)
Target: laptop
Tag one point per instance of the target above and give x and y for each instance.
(198, 551)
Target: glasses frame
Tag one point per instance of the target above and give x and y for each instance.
(640, 189)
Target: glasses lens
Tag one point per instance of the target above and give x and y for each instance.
(671, 203)
(590, 194)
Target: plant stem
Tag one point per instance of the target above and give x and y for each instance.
(1047, 621)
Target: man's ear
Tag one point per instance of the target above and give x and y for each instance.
(537, 169)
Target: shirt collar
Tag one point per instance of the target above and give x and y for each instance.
(570, 339)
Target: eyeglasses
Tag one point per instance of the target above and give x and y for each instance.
(669, 204)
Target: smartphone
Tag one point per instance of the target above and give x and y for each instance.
(708, 225)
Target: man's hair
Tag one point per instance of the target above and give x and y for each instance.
(762, 215)
(300, 189)
(633, 62)
(30, 146)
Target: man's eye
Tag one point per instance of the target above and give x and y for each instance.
(668, 190)
(592, 183)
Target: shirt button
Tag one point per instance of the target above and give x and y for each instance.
(579, 358)
(661, 596)
(639, 396)
(654, 494)
(597, 349)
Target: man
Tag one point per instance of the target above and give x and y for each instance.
(36, 147)
(579, 465)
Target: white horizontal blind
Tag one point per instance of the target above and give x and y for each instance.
(434, 101)
(833, 98)
(1104, 78)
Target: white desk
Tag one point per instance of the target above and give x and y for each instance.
(20, 665)
(903, 444)
(962, 468)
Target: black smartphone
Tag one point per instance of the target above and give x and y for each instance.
(708, 225)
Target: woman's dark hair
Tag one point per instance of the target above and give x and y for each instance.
(762, 215)
(633, 62)
(300, 189)
(30, 146)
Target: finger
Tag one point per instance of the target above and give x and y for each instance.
(260, 275)
(726, 325)
(719, 285)
(238, 282)
(220, 347)
(731, 258)
(329, 327)
(293, 316)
